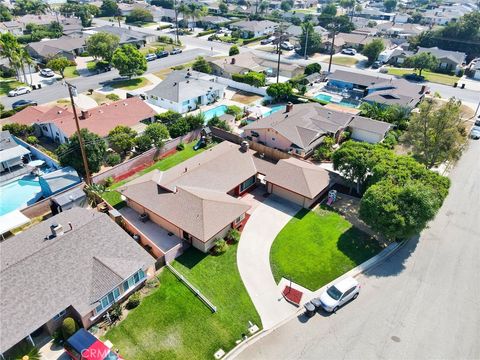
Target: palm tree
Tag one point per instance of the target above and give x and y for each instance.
(95, 193)
(185, 11)
(9, 48)
(263, 6)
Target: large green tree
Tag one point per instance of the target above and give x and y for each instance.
(373, 49)
(422, 61)
(158, 133)
(121, 139)
(390, 5)
(139, 15)
(202, 65)
(59, 64)
(280, 91)
(95, 148)
(309, 39)
(312, 68)
(129, 61)
(109, 8)
(102, 45)
(5, 14)
(437, 132)
(23, 7)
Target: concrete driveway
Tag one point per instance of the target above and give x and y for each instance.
(253, 258)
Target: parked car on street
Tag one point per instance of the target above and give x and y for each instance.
(162, 54)
(286, 46)
(150, 57)
(20, 91)
(349, 51)
(23, 103)
(47, 72)
(84, 346)
(267, 41)
(339, 294)
(376, 65)
(175, 51)
(475, 133)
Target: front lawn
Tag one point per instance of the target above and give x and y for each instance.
(318, 246)
(70, 72)
(444, 79)
(130, 84)
(113, 197)
(344, 60)
(7, 85)
(172, 323)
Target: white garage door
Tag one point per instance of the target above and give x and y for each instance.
(366, 136)
(287, 195)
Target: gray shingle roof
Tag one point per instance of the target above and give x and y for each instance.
(454, 56)
(39, 277)
(370, 125)
(61, 179)
(178, 86)
(254, 25)
(125, 35)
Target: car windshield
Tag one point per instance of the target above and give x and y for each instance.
(334, 293)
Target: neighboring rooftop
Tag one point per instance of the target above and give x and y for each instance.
(52, 47)
(255, 25)
(41, 275)
(126, 35)
(454, 56)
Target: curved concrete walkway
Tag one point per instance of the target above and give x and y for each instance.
(253, 258)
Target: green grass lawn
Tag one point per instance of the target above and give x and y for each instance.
(429, 76)
(9, 84)
(113, 197)
(130, 84)
(172, 323)
(318, 246)
(70, 72)
(344, 60)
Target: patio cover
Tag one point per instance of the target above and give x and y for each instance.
(12, 220)
(12, 153)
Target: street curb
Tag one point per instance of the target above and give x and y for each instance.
(360, 269)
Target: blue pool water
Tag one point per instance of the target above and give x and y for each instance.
(323, 97)
(216, 111)
(18, 194)
(274, 109)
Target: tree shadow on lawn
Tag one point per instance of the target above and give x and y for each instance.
(357, 245)
(191, 257)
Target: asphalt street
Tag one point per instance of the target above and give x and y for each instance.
(422, 303)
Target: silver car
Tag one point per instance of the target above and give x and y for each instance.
(20, 91)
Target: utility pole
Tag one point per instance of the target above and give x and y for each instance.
(88, 180)
(280, 36)
(334, 31)
(306, 44)
(176, 21)
(119, 15)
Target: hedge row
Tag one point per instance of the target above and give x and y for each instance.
(248, 41)
(206, 32)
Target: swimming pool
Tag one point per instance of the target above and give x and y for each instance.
(18, 194)
(323, 97)
(216, 111)
(274, 109)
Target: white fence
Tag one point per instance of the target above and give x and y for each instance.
(242, 86)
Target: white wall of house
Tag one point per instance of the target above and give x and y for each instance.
(53, 132)
(187, 105)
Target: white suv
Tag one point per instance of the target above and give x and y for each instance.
(20, 91)
(339, 294)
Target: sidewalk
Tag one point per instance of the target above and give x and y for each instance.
(253, 259)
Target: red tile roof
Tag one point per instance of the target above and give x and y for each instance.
(99, 120)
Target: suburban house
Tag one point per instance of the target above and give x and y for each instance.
(77, 263)
(126, 35)
(301, 128)
(296, 31)
(66, 46)
(447, 60)
(185, 90)
(378, 89)
(444, 14)
(14, 27)
(473, 69)
(246, 62)
(348, 40)
(163, 14)
(213, 22)
(254, 28)
(395, 56)
(19, 24)
(401, 30)
(58, 124)
(199, 200)
(11, 153)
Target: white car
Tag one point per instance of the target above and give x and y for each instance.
(20, 91)
(47, 72)
(475, 133)
(286, 46)
(349, 51)
(339, 294)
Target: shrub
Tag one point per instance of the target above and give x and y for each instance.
(312, 68)
(133, 301)
(248, 41)
(243, 123)
(325, 150)
(57, 337)
(115, 312)
(19, 130)
(152, 283)
(109, 181)
(180, 146)
(165, 39)
(206, 32)
(32, 140)
(233, 50)
(202, 65)
(143, 143)
(220, 247)
(233, 235)
(113, 159)
(252, 78)
(113, 97)
(68, 328)
(235, 111)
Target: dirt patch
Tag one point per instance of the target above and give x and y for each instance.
(162, 74)
(245, 97)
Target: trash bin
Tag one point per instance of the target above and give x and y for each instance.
(455, 84)
(317, 303)
(309, 309)
(463, 86)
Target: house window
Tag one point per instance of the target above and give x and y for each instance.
(133, 280)
(108, 300)
(247, 183)
(60, 315)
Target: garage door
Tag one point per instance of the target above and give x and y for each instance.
(366, 136)
(287, 195)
